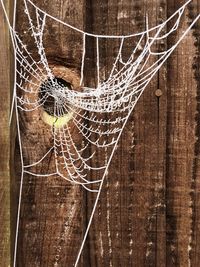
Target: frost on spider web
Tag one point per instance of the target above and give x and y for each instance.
(99, 114)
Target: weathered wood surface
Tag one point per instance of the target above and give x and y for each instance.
(182, 175)
(5, 89)
(148, 212)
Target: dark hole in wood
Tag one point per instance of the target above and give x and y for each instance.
(46, 89)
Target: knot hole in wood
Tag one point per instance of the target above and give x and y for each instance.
(52, 93)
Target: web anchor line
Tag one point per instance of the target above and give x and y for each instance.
(115, 97)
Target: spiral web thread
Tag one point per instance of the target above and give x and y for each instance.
(99, 114)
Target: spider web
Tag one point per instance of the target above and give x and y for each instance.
(99, 113)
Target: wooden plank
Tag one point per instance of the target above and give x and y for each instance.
(50, 219)
(195, 231)
(181, 142)
(5, 87)
(123, 232)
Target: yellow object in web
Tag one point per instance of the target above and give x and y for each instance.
(56, 122)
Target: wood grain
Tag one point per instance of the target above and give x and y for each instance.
(5, 88)
(51, 223)
(180, 156)
(148, 212)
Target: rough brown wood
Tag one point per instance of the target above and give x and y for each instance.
(5, 88)
(182, 166)
(148, 212)
(127, 232)
(195, 235)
